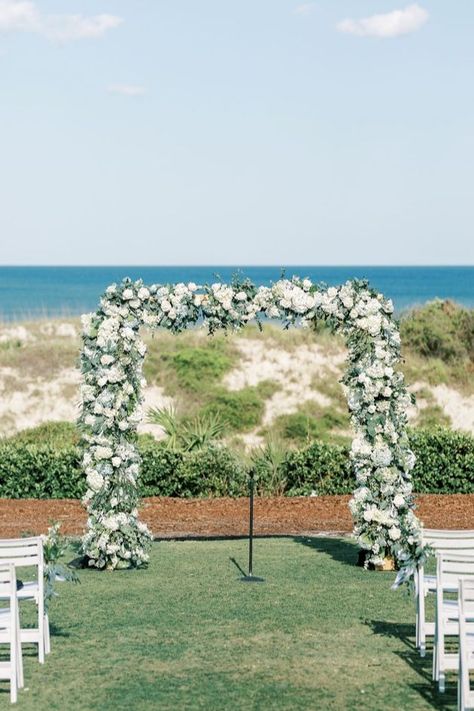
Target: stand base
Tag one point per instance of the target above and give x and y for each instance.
(251, 579)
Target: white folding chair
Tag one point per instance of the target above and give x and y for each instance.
(23, 552)
(10, 630)
(466, 643)
(439, 540)
(450, 568)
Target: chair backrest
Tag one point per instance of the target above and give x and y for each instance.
(451, 566)
(466, 617)
(7, 580)
(455, 540)
(22, 552)
(8, 592)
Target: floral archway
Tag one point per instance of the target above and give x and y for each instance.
(111, 363)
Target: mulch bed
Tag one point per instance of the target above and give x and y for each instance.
(181, 518)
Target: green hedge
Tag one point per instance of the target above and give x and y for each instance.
(444, 461)
(40, 471)
(445, 465)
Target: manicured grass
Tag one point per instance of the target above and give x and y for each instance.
(320, 633)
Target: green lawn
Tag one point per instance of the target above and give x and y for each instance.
(186, 634)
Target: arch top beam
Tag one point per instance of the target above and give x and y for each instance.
(111, 362)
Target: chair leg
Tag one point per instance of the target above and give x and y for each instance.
(420, 620)
(14, 644)
(19, 657)
(47, 638)
(435, 659)
(441, 682)
(13, 686)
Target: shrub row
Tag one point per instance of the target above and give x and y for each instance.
(445, 465)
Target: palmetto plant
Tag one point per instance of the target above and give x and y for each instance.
(272, 455)
(167, 419)
(187, 435)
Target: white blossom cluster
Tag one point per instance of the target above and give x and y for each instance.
(112, 360)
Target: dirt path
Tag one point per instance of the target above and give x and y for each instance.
(169, 518)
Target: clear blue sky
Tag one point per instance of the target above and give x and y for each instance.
(250, 132)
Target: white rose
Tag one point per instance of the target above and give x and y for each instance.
(128, 294)
(116, 461)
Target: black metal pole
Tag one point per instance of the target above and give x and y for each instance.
(251, 578)
(251, 488)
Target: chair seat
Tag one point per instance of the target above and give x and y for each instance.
(430, 584)
(29, 590)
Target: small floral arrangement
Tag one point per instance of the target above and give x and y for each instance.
(54, 547)
(112, 359)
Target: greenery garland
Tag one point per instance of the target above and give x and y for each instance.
(112, 359)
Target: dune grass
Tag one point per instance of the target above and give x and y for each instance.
(320, 633)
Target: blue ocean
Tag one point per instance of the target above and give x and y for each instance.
(40, 292)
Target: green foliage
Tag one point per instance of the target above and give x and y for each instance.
(40, 471)
(202, 431)
(432, 416)
(240, 409)
(320, 467)
(187, 435)
(198, 368)
(54, 548)
(10, 345)
(440, 329)
(209, 472)
(445, 464)
(444, 461)
(167, 419)
(54, 434)
(268, 462)
(311, 423)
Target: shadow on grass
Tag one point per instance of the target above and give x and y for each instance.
(427, 688)
(56, 631)
(339, 549)
(238, 566)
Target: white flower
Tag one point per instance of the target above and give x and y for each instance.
(143, 294)
(103, 453)
(111, 523)
(241, 296)
(86, 320)
(192, 286)
(394, 533)
(128, 294)
(382, 455)
(116, 461)
(107, 359)
(95, 481)
(398, 501)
